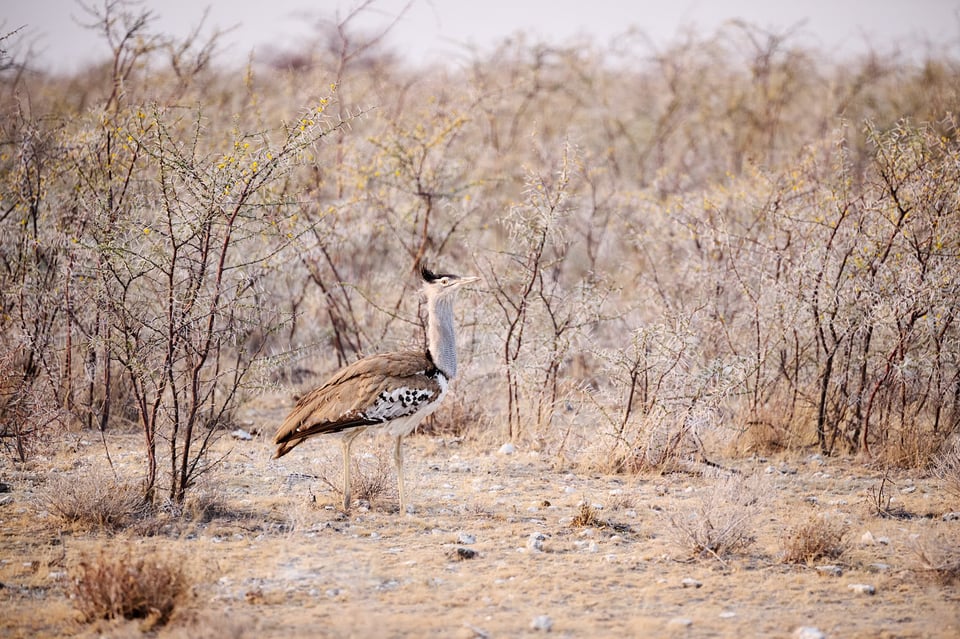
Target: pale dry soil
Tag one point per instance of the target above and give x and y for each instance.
(275, 557)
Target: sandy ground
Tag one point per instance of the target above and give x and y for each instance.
(490, 547)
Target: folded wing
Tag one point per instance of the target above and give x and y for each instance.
(373, 390)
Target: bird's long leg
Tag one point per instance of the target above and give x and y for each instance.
(347, 442)
(398, 460)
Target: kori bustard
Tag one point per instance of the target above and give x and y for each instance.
(390, 392)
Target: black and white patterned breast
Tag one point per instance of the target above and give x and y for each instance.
(404, 401)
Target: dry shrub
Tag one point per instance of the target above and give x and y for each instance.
(913, 447)
(653, 446)
(764, 437)
(818, 537)
(371, 470)
(202, 505)
(946, 467)
(129, 587)
(460, 416)
(882, 502)
(722, 521)
(94, 501)
(372, 476)
(938, 559)
(775, 428)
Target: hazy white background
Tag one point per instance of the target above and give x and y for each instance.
(439, 29)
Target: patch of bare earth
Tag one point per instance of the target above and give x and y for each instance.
(495, 546)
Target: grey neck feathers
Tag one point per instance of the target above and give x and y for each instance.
(440, 335)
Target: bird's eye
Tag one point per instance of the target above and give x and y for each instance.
(444, 280)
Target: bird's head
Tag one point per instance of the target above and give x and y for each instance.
(443, 284)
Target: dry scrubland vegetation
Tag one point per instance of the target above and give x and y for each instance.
(719, 323)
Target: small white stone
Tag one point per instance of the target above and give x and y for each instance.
(867, 539)
(535, 542)
(683, 622)
(689, 582)
(507, 449)
(863, 589)
(239, 433)
(542, 623)
(808, 632)
(480, 633)
(835, 571)
(466, 538)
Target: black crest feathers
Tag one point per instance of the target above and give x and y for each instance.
(427, 274)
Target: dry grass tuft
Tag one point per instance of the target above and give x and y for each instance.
(587, 517)
(723, 519)
(128, 587)
(818, 537)
(938, 559)
(93, 501)
(214, 625)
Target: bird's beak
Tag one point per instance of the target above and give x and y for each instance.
(468, 280)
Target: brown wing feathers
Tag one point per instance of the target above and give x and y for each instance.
(345, 400)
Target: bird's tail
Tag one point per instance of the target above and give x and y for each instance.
(285, 447)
